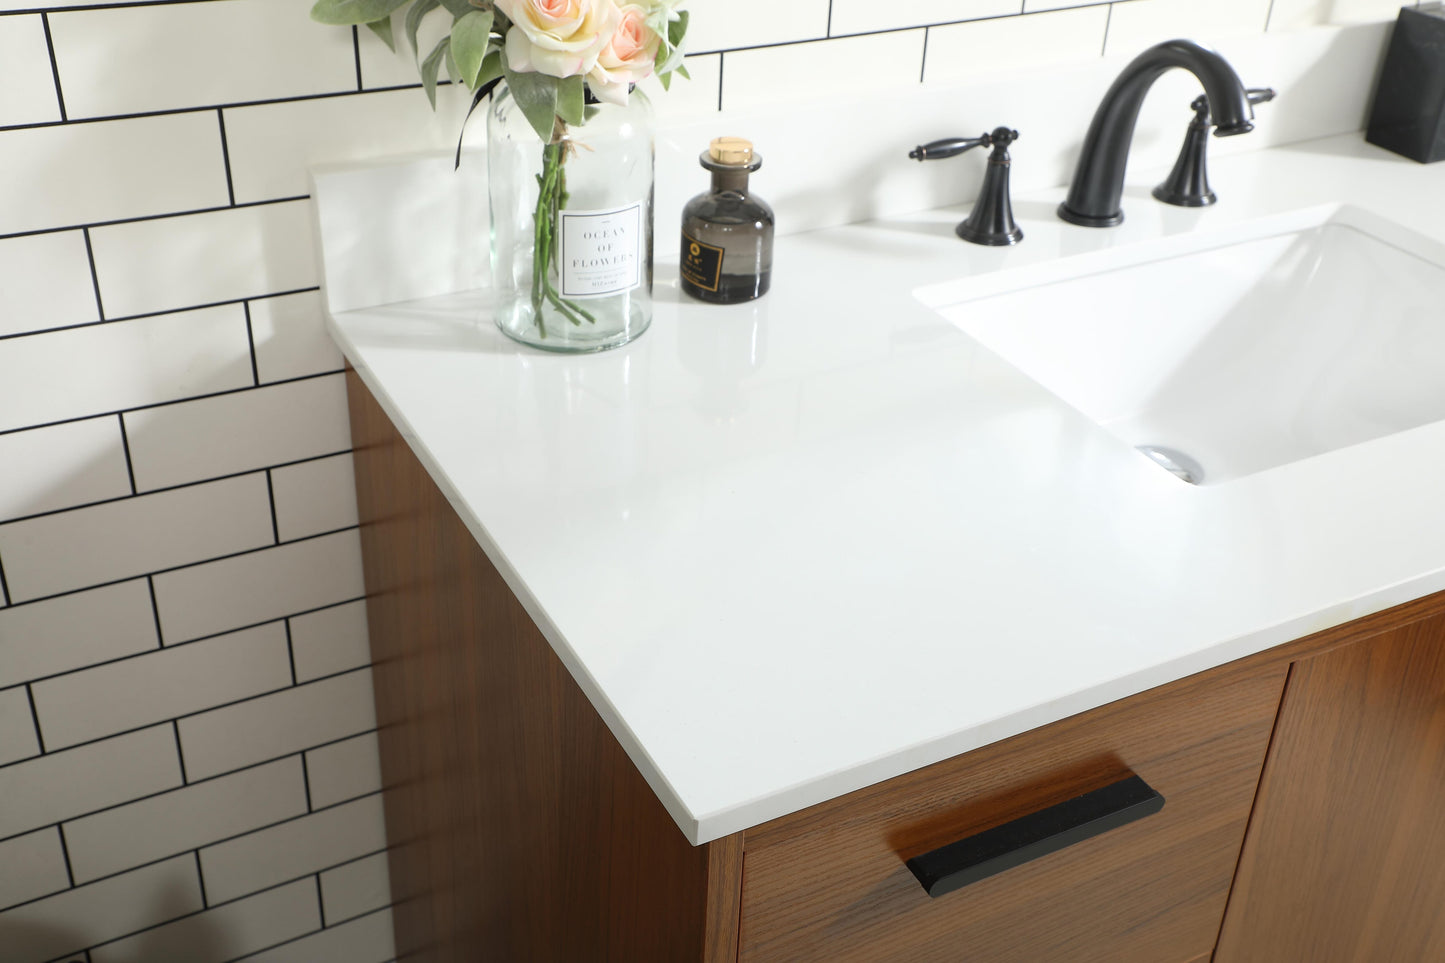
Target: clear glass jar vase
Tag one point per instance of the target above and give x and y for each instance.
(571, 236)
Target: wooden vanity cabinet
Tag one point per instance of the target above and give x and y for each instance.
(519, 830)
(1345, 857)
(829, 883)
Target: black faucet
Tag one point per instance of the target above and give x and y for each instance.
(992, 221)
(1098, 183)
(1188, 183)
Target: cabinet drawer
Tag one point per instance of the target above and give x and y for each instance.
(830, 883)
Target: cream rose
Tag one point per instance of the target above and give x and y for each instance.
(561, 38)
(628, 56)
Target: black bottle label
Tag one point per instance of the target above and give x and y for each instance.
(701, 263)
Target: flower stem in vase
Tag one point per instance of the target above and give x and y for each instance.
(551, 199)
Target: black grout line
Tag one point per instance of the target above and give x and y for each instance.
(129, 465)
(151, 314)
(155, 614)
(54, 67)
(232, 838)
(320, 902)
(94, 277)
(275, 525)
(175, 401)
(1269, 15)
(198, 782)
(291, 655)
(306, 782)
(206, 561)
(1108, 21)
(923, 67)
(75, 7)
(180, 755)
(236, 899)
(226, 156)
(175, 722)
(201, 878)
(297, 939)
(35, 720)
(720, 60)
(171, 488)
(874, 33)
(356, 53)
(251, 344)
(206, 108)
(200, 638)
(4, 586)
(65, 854)
(829, 31)
(192, 212)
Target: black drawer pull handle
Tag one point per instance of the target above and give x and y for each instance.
(1027, 838)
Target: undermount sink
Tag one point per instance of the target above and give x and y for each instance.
(1230, 354)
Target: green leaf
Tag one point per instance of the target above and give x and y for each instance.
(669, 57)
(536, 94)
(350, 12)
(453, 74)
(491, 69)
(677, 28)
(457, 8)
(471, 36)
(682, 69)
(429, 68)
(382, 28)
(571, 99)
(665, 80)
(413, 21)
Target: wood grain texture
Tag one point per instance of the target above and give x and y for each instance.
(519, 829)
(830, 883)
(1345, 856)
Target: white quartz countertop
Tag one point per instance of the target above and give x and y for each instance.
(800, 546)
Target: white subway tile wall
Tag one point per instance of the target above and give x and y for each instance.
(188, 759)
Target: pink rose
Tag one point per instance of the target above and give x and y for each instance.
(561, 38)
(628, 56)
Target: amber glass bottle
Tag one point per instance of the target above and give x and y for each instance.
(727, 233)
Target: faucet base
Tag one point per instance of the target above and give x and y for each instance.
(1090, 220)
(1166, 193)
(975, 235)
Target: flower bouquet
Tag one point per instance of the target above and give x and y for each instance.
(569, 69)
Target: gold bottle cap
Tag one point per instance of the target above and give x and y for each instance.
(731, 150)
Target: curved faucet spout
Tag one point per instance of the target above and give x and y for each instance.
(1098, 183)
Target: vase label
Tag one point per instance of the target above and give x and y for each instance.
(601, 251)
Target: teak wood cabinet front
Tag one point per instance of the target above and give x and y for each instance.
(1304, 814)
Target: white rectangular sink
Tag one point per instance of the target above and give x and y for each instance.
(1236, 352)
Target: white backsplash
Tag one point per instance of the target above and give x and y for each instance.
(405, 229)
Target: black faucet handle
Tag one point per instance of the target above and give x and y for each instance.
(1001, 137)
(1260, 95)
(949, 147)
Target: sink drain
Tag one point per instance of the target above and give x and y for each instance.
(1176, 462)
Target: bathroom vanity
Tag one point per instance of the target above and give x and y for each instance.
(684, 650)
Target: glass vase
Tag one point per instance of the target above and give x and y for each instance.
(571, 236)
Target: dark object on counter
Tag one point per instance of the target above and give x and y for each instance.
(1409, 113)
(727, 233)
(1027, 838)
(1188, 183)
(992, 220)
(1098, 185)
